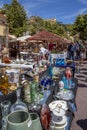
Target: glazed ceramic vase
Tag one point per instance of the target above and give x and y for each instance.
(19, 120)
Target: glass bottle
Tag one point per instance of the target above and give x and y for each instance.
(22, 60)
(18, 105)
(5, 110)
(4, 82)
(1, 58)
(34, 88)
(17, 59)
(27, 93)
(68, 74)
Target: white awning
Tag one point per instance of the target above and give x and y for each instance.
(21, 39)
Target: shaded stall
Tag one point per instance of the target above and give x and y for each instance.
(19, 43)
(47, 37)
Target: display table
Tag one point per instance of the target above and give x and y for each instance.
(18, 65)
(49, 98)
(71, 102)
(66, 65)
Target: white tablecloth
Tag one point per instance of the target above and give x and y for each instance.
(17, 65)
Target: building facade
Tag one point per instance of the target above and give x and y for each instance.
(3, 30)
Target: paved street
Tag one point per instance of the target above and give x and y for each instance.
(80, 120)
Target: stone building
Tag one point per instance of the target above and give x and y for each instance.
(4, 30)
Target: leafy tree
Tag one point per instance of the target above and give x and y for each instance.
(35, 24)
(69, 28)
(16, 18)
(48, 26)
(80, 26)
(54, 26)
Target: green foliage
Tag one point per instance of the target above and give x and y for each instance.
(16, 18)
(37, 24)
(18, 23)
(80, 25)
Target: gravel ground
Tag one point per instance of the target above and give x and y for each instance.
(80, 120)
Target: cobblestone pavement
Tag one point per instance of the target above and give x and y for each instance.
(80, 120)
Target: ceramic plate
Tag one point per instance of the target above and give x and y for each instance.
(60, 123)
(53, 105)
(66, 95)
(62, 126)
(58, 127)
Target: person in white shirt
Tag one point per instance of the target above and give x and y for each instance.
(43, 51)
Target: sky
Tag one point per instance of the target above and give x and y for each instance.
(64, 11)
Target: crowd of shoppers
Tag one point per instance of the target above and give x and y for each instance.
(76, 50)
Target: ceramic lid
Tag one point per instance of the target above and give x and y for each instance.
(59, 112)
(53, 105)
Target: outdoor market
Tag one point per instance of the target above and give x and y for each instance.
(43, 68)
(40, 82)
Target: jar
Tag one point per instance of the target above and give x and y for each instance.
(61, 85)
(27, 93)
(59, 120)
(19, 120)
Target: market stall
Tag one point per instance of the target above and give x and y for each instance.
(59, 100)
(48, 37)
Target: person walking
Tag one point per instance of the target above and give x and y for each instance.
(71, 50)
(77, 50)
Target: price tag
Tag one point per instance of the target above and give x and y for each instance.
(29, 123)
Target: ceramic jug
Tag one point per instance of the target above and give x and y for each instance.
(19, 120)
(36, 124)
(59, 119)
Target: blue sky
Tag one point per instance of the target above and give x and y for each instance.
(63, 10)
